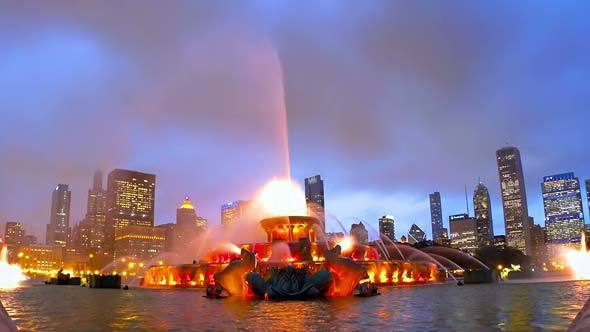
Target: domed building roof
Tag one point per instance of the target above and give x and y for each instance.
(187, 204)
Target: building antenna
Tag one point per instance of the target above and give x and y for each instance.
(466, 200)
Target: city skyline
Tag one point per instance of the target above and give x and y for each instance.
(158, 104)
(97, 185)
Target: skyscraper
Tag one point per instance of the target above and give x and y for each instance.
(483, 216)
(188, 226)
(232, 212)
(314, 199)
(416, 234)
(59, 218)
(387, 227)
(92, 228)
(538, 244)
(130, 201)
(588, 193)
(359, 233)
(463, 232)
(439, 233)
(186, 214)
(14, 234)
(564, 215)
(514, 199)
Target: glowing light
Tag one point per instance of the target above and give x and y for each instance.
(383, 276)
(187, 204)
(283, 198)
(405, 277)
(346, 243)
(10, 274)
(579, 260)
(232, 248)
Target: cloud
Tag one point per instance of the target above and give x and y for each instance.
(387, 100)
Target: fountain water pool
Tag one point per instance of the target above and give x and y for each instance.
(291, 241)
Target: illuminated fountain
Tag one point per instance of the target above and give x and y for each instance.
(579, 260)
(10, 274)
(295, 262)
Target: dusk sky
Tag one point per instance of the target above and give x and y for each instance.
(387, 101)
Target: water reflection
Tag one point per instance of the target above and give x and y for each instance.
(522, 307)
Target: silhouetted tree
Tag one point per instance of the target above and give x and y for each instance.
(493, 256)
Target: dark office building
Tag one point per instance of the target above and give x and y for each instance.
(463, 232)
(416, 234)
(59, 219)
(439, 233)
(92, 228)
(483, 216)
(314, 199)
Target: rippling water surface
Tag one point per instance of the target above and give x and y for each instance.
(491, 307)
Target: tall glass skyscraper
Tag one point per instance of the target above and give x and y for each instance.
(564, 216)
(483, 216)
(387, 227)
(314, 199)
(588, 193)
(514, 201)
(59, 219)
(439, 233)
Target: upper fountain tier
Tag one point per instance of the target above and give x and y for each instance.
(290, 228)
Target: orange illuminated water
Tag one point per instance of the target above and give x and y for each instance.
(10, 274)
(579, 260)
(446, 307)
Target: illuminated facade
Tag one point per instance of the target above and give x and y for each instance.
(40, 260)
(483, 216)
(59, 219)
(14, 234)
(359, 233)
(314, 199)
(514, 199)
(588, 193)
(439, 232)
(564, 216)
(143, 242)
(130, 202)
(387, 227)
(416, 234)
(463, 233)
(232, 212)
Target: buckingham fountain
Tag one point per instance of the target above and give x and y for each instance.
(296, 261)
